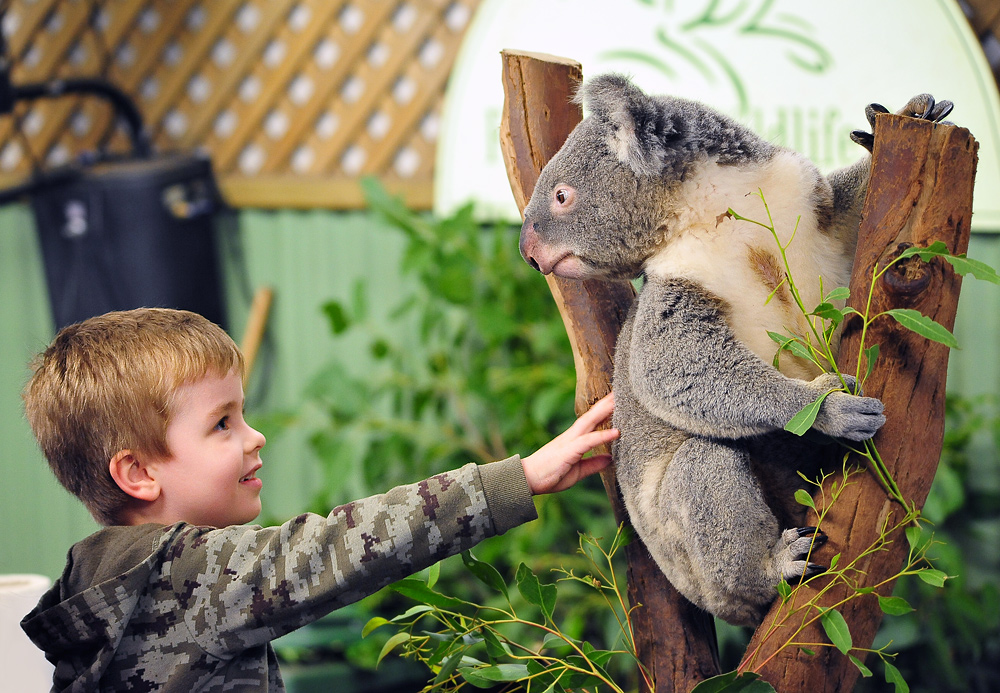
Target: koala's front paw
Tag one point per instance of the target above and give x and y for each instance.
(849, 416)
(799, 543)
(921, 106)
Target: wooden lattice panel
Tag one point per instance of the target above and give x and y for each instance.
(295, 100)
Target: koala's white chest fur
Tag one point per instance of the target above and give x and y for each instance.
(740, 261)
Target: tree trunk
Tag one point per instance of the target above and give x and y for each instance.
(676, 641)
(920, 192)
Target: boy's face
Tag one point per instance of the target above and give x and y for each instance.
(210, 476)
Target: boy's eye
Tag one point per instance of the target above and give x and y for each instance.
(223, 424)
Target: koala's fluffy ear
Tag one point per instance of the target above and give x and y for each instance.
(641, 130)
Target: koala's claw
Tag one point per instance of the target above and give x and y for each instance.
(807, 539)
(921, 106)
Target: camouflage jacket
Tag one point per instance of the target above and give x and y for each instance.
(185, 608)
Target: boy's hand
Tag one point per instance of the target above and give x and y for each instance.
(558, 465)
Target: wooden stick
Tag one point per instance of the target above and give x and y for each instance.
(920, 192)
(676, 641)
(253, 334)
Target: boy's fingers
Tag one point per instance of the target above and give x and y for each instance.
(591, 440)
(598, 412)
(593, 465)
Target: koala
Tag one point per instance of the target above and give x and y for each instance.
(642, 188)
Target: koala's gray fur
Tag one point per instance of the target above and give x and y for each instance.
(642, 187)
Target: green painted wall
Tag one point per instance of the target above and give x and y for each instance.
(308, 257)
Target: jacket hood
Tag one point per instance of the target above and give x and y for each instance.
(81, 619)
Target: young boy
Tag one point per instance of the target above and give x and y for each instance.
(140, 415)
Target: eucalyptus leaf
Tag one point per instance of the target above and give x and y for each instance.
(894, 606)
(871, 356)
(733, 682)
(417, 590)
(433, 573)
(979, 270)
(537, 593)
(802, 497)
(836, 629)
(828, 312)
(391, 644)
(893, 676)
(486, 573)
(924, 326)
(804, 419)
(373, 623)
(932, 577)
(448, 667)
(865, 671)
(841, 293)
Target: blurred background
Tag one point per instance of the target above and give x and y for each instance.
(323, 178)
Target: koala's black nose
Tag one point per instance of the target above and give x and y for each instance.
(534, 265)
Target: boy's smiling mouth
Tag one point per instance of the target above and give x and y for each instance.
(250, 477)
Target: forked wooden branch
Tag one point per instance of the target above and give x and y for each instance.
(675, 640)
(920, 192)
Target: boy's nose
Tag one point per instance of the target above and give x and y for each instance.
(256, 440)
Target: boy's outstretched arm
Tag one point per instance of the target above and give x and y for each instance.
(557, 465)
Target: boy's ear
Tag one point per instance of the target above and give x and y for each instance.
(132, 477)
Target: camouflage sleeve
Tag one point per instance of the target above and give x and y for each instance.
(242, 586)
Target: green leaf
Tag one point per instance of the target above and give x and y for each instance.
(732, 682)
(336, 316)
(802, 497)
(433, 573)
(871, 356)
(491, 674)
(836, 629)
(828, 312)
(979, 270)
(791, 344)
(841, 293)
(486, 573)
(913, 535)
(893, 676)
(494, 647)
(373, 623)
(541, 595)
(417, 590)
(865, 671)
(834, 561)
(924, 326)
(412, 611)
(894, 606)
(449, 666)
(391, 644)
(784, 591)
(807, 651)
(962, 264)
(935, 249)
(803, 421)
(932, 577)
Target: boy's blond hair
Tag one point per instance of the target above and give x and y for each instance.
(107, 384)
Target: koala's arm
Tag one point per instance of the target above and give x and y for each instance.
(687, 367)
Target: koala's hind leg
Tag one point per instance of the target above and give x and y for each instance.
(736, 550)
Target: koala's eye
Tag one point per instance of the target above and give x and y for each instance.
(563, 196)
